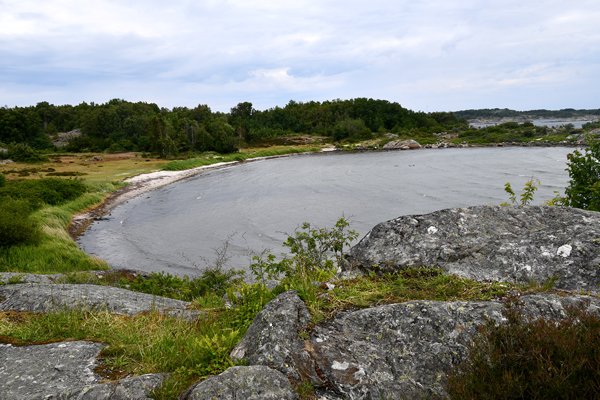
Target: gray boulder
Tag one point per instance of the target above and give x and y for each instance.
(30, 372)
(249, 383)
(489, 243)
(409, 144)
(273, 339)
(52, 297)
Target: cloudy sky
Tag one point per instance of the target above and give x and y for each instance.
(427, 55)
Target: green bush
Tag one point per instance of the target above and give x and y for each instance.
(584, 170)
(532, 359)
(24, 153)
(2, 180)
(52, 191)
(16, 226)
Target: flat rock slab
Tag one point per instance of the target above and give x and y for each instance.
(17, 277)
(133, 388)
(29, 372)
(248, 383)
(490, 243)
(52, 297)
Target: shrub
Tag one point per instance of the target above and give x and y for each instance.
(16, 226)
(532, 359)
(24, 153)
(51, 191)
(584, 170)
(2, 180)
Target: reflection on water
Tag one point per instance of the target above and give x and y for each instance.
(177, 228)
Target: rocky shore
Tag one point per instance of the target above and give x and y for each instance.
(395, 351)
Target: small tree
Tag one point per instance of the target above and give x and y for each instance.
(584, 170)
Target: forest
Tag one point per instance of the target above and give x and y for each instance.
(120, 125)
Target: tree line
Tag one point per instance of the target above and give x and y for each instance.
(120, 125)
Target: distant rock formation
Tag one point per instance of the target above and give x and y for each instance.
(409, 144)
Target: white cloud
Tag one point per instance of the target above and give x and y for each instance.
(420, 53)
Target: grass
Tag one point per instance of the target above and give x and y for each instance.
(55, 252)
(151, 342)
(244, 154)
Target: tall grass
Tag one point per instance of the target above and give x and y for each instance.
(55, 251)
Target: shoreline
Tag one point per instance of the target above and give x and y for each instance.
(143, 183)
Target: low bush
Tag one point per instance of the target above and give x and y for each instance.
(16, 225)
(2, 180)
(52, 191)
(532, 359)
(24, 153)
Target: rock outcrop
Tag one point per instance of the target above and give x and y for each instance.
(517, 244)
(396, 351)
(52, 297)
(31, 372)
(409, 144)
(248, 383)
(64, 371)
(272, 339)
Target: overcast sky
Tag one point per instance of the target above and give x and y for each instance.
(427, 55)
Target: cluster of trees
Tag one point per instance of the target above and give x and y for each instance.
(120, 125)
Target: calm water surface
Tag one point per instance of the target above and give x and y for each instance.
(253, 205)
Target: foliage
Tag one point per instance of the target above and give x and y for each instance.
(584, 170)
(22, 152)
(532, 359)
(52, 191)
(527, 193)
(119, 125)
(311, 250)
(16, 225)
(2, 180)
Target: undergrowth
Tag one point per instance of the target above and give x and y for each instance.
(532, 359)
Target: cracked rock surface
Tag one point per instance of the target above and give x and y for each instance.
(30, 372)
(396, 351)
(51, 297)
(273, 340)
(490, 243)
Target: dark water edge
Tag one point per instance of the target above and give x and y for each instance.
(177, 228)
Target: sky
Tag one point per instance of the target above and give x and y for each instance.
(427, 55)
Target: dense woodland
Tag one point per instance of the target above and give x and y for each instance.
(119, 125)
